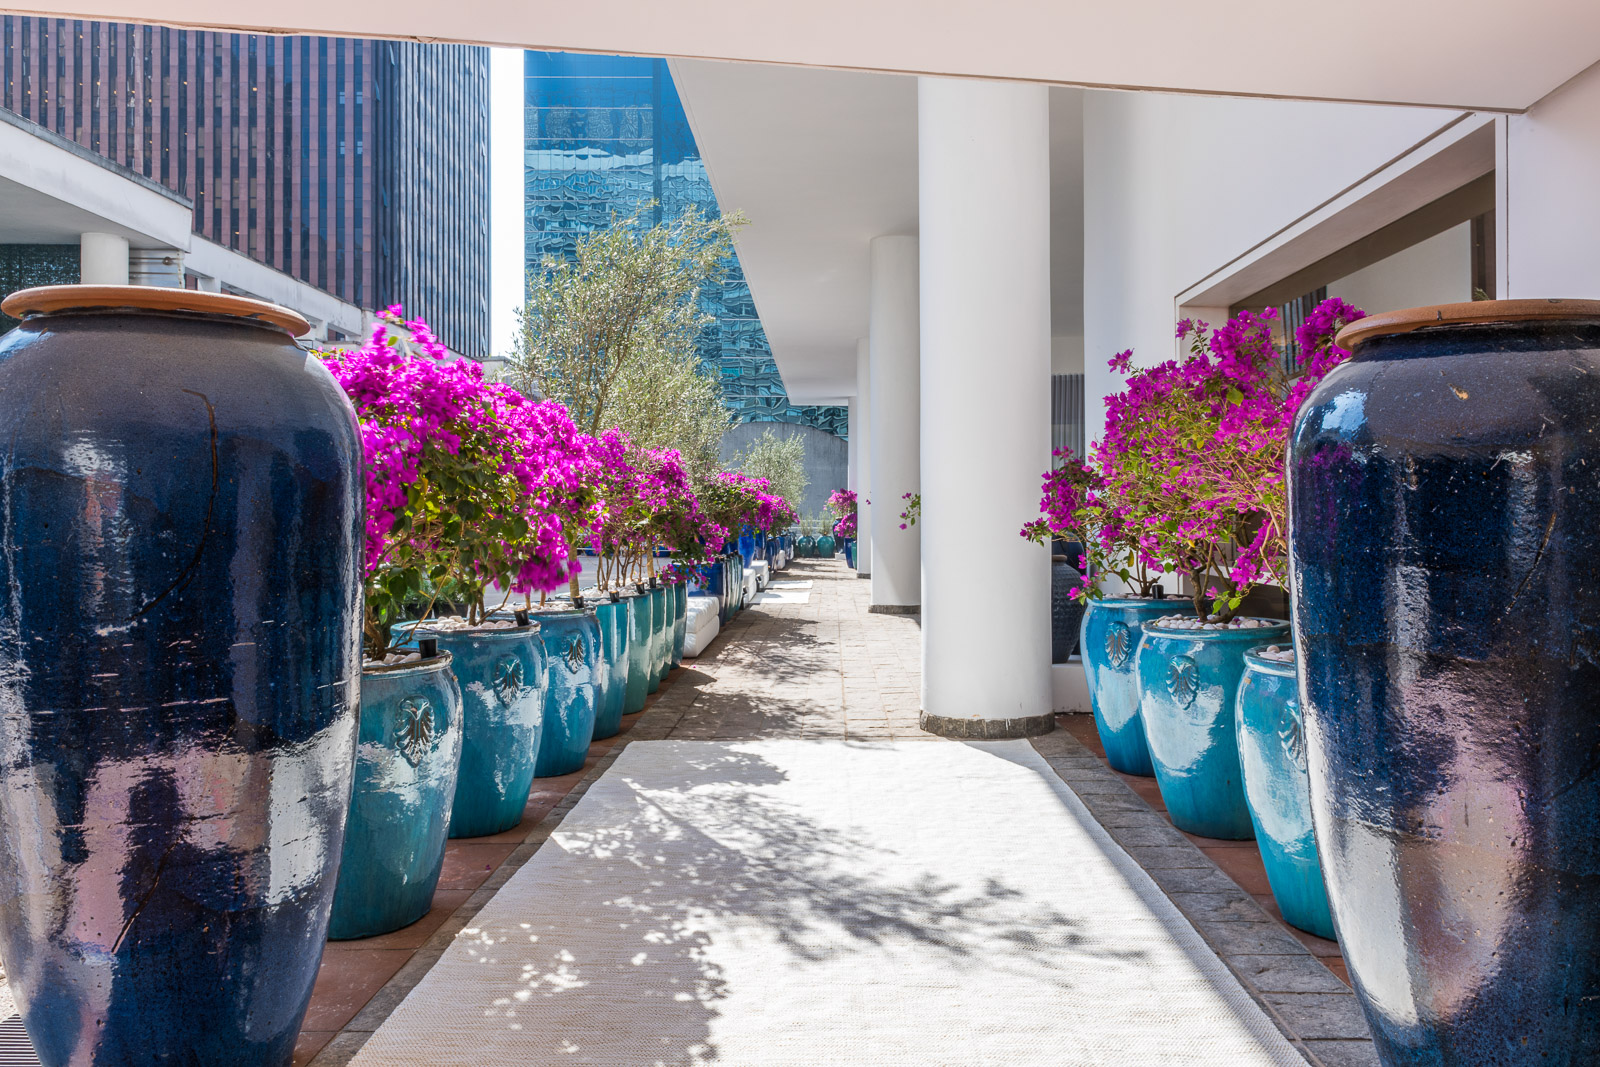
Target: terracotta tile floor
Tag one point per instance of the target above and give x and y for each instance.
(352, 972)
(1239, 860)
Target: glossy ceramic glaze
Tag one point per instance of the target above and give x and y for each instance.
(680, 620)
(1066, 610)
(747, 546)
(180, 554)
(408, 757)
(611, 616)
(1445, 541)
(638, 682)
(1109, 642)
(825, 546)
(713, 582)
(1188, 685)
(658, 637)
(502, 678)
(806, 547)
(1272, 758)
(574, 660)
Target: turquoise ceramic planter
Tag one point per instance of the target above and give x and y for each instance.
(669, 624)
(680, 620)
(572, 648)
(1109, 643)
(638, 606)
(825, 546)
(612, 619)
(658, 634)
(1188, 685)
(502, 679)
(408, 755)
(1272, 756)
(737, 589)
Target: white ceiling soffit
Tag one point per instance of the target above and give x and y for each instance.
(1481, 54)
(821, 162)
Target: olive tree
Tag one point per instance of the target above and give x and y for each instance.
(781, 461)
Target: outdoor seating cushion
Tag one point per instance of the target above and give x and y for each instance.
(763, 573)
(700, 625)
(750, 589)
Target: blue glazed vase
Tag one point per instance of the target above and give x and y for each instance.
(1188, 684)
(747, 546)
(612, 618)
(502, 678)
(1444, 492)
(408, 758)
(1272, 758)
(572, 652)
(680, 621)
(180, 614)
(638, 682)
(807, 547)
(658, 637)
(825, 546)
(1109, 639)
(1066, 610)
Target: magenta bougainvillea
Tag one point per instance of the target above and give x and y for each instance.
(469, 484)
(842, 502)
(1188, 476)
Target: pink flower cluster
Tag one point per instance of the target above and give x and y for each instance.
(1189, 474)
(842, 502)
(754, 504)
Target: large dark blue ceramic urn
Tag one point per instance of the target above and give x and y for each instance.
(1445, 559)
(180, 602)
(680, 619)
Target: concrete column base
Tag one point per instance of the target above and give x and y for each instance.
(895, 609)
(974, 729)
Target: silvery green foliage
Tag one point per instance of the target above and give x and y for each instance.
(781, 461)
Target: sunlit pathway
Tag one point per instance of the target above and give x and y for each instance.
(779, 868)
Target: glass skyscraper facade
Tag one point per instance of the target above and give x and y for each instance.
(357, 166)
(605, 135)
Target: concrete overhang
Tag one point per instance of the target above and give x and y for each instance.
(1469, 54)
(52, 190)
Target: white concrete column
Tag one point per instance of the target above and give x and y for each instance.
(863, 481)
(893, 407)
(984, 188)
(103, 259)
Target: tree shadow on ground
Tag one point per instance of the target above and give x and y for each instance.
(611, 947)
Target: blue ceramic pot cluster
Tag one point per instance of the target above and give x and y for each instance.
(1109, 642)
(1272, 759)
(575, 661)
(502, 676)
(408, 759)
(611, 616)
(1444, 536)
(1188, 686)
(180, 599)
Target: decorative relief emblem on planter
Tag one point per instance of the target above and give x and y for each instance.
(574, 656)
(1183, 680)
(415, 731)
(1292, 732)
(508, 678)
(1119, 644)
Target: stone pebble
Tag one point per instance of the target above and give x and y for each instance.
(1189, 622)
(392, 658)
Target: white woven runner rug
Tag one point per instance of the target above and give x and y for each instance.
(806, 903)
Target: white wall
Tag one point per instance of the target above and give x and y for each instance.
(1435, 271)
(1550, 195)
(1176, 187)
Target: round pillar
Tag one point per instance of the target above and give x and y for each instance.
(985, 384)
(861, 434)
(102, 259)
(893, 413)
